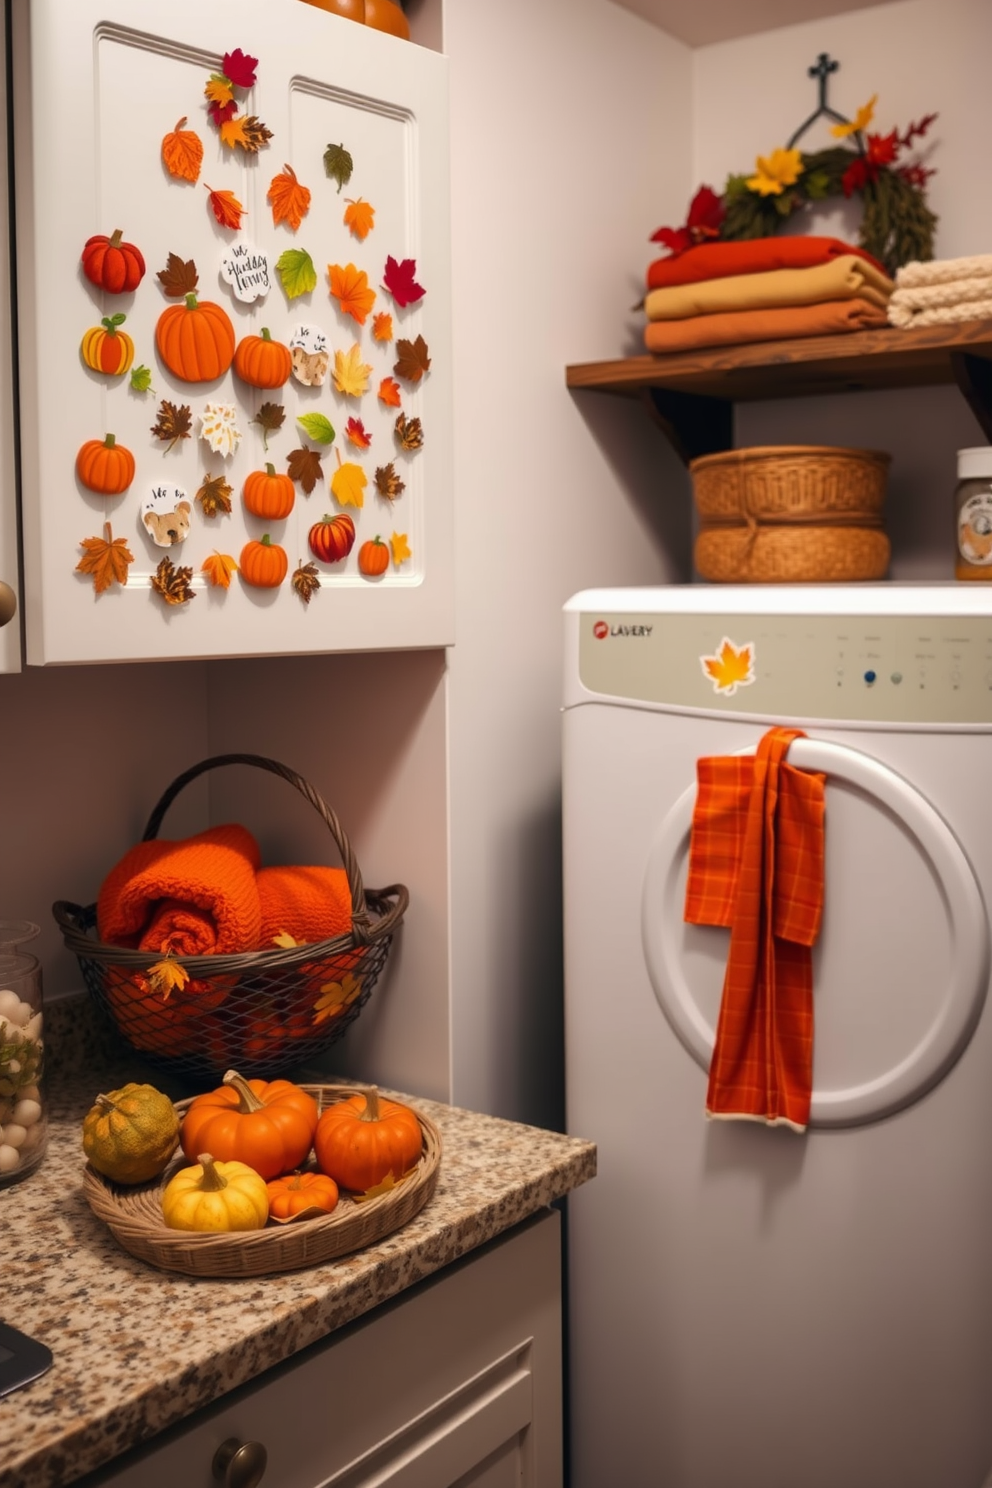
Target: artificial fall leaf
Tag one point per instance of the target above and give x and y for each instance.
(296, 272)
(400, 547)
(413, 359)
(775, 172)
(246, 132)
(214, 496)
(389, 392)
(166, 977)
(730, 668)
(383, 1186)
(239, 68)
(226, 208)
(382, 326)
(351, 374)
(290, 201)
(173, 583)
(304, 466)
(179, 277)
(106, 558)
(219, 427)
(335, 996)
(219, 90)
(350, 287)
(141, 380)
(360, 217)
(388, 482)
(356, 433)
(860, 121)
(409, 432)
(182, 152)
(338, 164)
(219, 567)
(285, 941)
(270, 418)
(317, 426)
(172, 423)
(400, 281)
(348, 483)
(306, 581)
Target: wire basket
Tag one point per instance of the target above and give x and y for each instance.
(263, 1013)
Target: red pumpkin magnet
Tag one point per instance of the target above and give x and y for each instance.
(332, 538)
(111, 264)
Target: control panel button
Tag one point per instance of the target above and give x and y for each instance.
(870, 677)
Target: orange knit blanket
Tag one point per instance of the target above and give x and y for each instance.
(756, 864)
(307, 903)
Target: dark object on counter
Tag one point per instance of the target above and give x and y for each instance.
(263, 1013)
(22, 1359)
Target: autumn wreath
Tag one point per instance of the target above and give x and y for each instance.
(897, 225)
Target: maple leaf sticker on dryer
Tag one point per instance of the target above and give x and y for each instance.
(731, 667)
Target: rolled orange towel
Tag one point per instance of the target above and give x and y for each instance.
(307, 903)
(196, 896)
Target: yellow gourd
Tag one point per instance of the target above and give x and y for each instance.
(215, 1196)
(130, 1134)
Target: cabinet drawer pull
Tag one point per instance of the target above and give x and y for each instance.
(8, 603)
(240, 1464)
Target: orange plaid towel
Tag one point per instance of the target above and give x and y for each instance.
(756, 864)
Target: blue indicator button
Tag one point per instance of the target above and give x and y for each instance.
(869, 677)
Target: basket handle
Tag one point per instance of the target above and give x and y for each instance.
(337, 831)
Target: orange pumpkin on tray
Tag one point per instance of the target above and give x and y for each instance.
(267, 1124)
(359, 1141)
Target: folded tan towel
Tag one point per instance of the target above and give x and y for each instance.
(944, 270)
(740, 327)
(846, 278)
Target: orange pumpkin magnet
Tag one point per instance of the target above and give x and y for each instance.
(269, 494)
(195, 340)
(104, 466)
(373, 558)
(262, 362)
(263, 563)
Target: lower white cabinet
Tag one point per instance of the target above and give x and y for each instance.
(455, 1384)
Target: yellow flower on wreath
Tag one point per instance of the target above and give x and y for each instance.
(776, 171)
(860, 121)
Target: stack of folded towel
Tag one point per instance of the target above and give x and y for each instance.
(765, 289)
(942, 292)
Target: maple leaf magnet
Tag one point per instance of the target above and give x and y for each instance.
(219, 427)
(389, 392)
(306, 581)
(348, 483)
(359, 216)
(304, 467)
(182, 153)
(269, 418)
(288, 198)
(239, 68)
(399, 279)
(356, 433)
(413, 359)
(388, 482)
(219, 568)
(731, 667)
(174, 422)
(350, 287)
(382, 326)
(409, 432)
(351, 374)
(172, 583)
(106, 558)
(214, 495)
(400, 547)
(246, 132)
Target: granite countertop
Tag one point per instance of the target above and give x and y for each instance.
(137, 1349)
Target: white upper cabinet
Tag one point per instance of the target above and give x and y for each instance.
(360, 120)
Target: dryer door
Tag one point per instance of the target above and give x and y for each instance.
(902, 967)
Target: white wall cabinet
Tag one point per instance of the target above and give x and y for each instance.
(97, 89)
(457, 1384)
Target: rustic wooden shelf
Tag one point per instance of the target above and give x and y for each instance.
(691, 394)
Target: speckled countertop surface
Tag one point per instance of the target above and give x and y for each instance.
(137, 1349)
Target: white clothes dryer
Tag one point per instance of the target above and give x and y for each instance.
(750, 1307)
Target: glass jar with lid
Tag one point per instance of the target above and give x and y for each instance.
(23, 1107)
(973, 514)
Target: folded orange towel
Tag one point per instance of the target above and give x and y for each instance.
(754, 256)
(756, 864)
(741, 327)
(307, 903)
(197, 896)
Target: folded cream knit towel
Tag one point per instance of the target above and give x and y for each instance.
(942, 292)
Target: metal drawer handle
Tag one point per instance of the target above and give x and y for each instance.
(240, 1464)
(8, 603)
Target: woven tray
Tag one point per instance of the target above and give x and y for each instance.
(134, 1217)
(786, 483)
(255, 1011)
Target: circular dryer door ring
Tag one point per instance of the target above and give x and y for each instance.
(957, 1012)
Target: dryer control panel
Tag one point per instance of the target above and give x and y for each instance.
(886, 669)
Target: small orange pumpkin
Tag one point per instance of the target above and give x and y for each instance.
(373, 558)
(332, 538)
(262, 362)
(263, 563)
(267, 1124)
(195, 340)
(104, 466)
(361, 1139)
(386, 15)
(106, 348)
(295, 1193)
(269, 494)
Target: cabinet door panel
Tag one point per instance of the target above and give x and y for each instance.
(456, 1383)
(95, 97)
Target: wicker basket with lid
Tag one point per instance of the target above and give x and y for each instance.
(791, 514)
